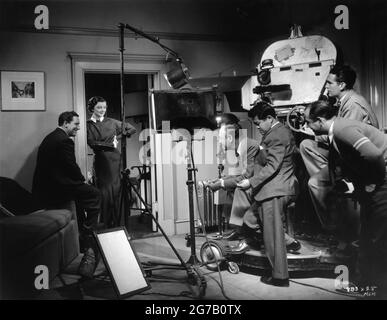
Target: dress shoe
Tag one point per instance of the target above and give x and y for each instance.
(294, 247)
(275, 282)
(240, 248)
(88, 263)
(233, 235)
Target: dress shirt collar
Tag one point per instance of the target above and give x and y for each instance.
(94, 118)
(330, 133)
(274, 124)
(241, 145)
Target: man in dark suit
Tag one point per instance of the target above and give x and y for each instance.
(269, 191)
(350, 105)
(58, 179)
(361, 152)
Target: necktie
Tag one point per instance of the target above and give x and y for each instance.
(332, 162)
(337, 106)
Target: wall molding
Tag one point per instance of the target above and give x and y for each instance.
(112, 57)
(78, 31)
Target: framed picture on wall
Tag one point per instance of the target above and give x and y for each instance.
(22, 91)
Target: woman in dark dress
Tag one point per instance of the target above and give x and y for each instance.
(102, 135)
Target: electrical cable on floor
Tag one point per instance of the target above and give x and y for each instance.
(204, 229)
(323, 289)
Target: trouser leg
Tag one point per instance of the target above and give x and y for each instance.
(315, 157)
(271, 212)
(240, 205)
(320, 188)
(373, 239)
(252, 220)
(88, 198)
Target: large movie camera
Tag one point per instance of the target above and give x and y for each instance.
(292, 73)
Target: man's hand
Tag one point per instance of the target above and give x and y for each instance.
(115, 141)
(370, 188)
(306, 130)
(214, 185)
(244, 184)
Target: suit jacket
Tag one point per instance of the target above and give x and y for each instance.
(56, 168)
(252, 157)
(355, 107)
(276, 178)
(362, 151)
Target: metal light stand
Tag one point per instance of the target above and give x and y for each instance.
(194, 275)
(190, 182)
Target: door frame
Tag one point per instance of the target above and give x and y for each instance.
(154, 65)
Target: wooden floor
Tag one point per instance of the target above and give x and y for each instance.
(173, 285)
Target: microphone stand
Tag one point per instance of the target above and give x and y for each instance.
(194, 275)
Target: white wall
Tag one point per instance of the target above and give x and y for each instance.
(22, 132)
(73, 27)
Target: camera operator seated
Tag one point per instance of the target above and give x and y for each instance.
(232, 137)
(315, 153)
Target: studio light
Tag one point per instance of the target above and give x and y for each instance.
(177, 76)
(264, 77)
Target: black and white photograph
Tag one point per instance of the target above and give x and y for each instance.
(193, 156)
(23, 89)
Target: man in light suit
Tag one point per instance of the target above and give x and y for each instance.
(351, 105)
(361, 152)
(269, 192)
(232, 137)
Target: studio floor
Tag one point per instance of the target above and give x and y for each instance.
(172, 284)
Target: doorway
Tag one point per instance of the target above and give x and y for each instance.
(136, 86)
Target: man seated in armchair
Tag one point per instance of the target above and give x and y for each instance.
(58, 178)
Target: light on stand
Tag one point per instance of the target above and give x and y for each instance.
(218, 119)
(263, 75)
(177, 77)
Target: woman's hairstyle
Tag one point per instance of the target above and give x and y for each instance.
(93, 101)
(322, 109)
(262, 110)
